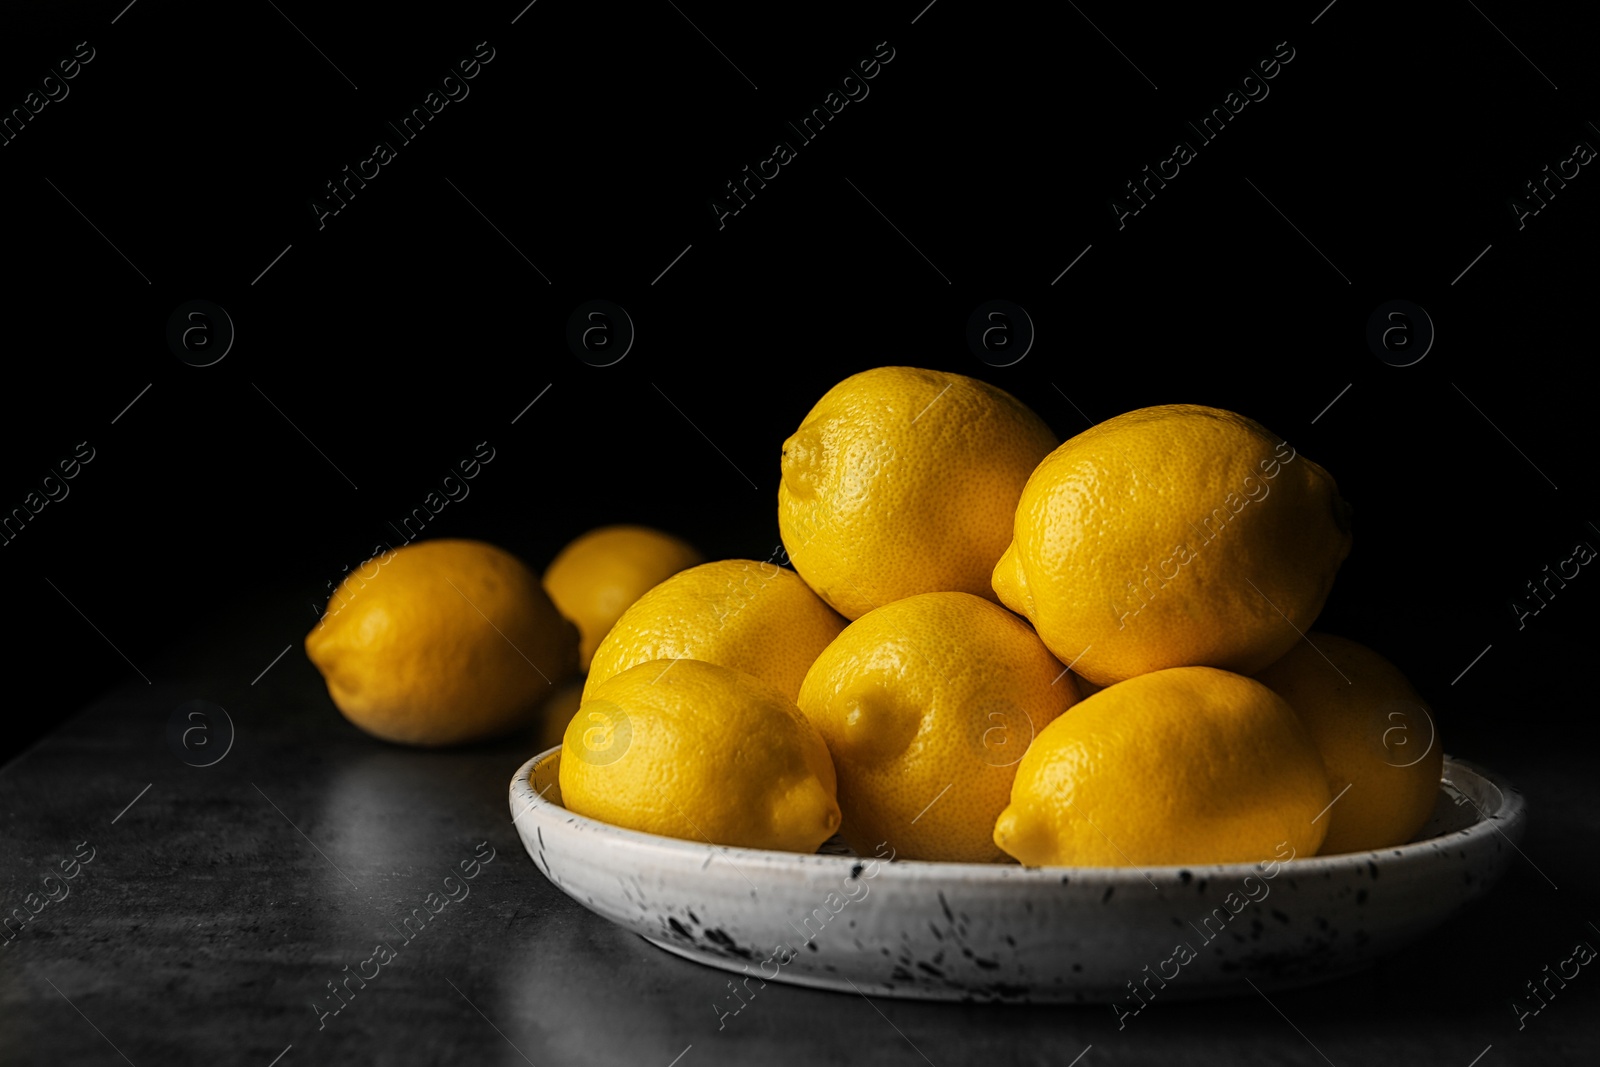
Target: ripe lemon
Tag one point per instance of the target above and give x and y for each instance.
(1377, 738)
(904, 481)
(443, 642)
(759, 618)
(927, 705)
(1173, 536)
(701, 752)
(596, 577)
(1187, 765)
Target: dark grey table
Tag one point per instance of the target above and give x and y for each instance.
(211, 907)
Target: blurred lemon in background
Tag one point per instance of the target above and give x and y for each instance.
(1377, 737)
(441, 642)
(597, 576)
(555, 714)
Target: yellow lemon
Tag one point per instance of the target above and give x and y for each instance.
(1173, 536)
(441, 642)
(596, 577)
(1376, 735)
(759, 618)
(1187, 765)
(904, 481)
(705, 753)
(927, 705)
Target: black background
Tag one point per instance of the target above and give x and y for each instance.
(414, 325)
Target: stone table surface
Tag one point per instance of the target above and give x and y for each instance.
(209, 908)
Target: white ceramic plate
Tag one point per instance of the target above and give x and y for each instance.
(1005, 932)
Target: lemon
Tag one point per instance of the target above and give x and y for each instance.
(696, 751)
(1173, 536)
(443, 642)
(759, 618)
(927, 705)
(596, 577)
(1376, 735)
(904, 481)
(1187, 765)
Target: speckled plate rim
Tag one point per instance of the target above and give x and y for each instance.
(1507, 818)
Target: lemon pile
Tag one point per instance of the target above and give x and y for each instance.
(992, 646)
